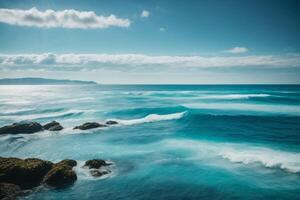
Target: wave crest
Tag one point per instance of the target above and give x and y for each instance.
(241, 153)
(151, 118)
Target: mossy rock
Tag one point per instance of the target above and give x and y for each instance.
(9, 191)
(26, 173)
(69, 162)
(60, 175)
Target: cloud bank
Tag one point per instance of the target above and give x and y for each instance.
(237, 50)
(121, 62)
(63, 19)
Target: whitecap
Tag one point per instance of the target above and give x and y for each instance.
(266, 108)
(234, 96)
(83, 173)
(239, 153)
(151, 118)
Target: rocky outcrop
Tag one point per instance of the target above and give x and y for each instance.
(69, 162)
(95, 163)
(26, 173)
(53, 126)
(9, 191)
(111, 122)
(97, 167)
(61, 174)
(33, 127)
(18, 174)
(89, 125)
(21, 127)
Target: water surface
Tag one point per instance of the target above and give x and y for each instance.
(172, 141)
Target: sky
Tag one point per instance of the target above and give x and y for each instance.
(152, 42)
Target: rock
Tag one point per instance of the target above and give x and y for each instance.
(98, 173)
(89, 125)
(97, 167)
(71, 163)
(60, 175)
(111, 122)
(50, 124)
(95, 163)
(9, 191)
(56, 128)
(25, 127)
(26, 173)
(53, 126)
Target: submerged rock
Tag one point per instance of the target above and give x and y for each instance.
(22, 127)
(26, 173)
(53, 126)
(98, 173)
(97, 167)
(89, 125)
(9, 191)
(111, 122)
(96, 163)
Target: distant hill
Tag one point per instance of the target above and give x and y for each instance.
(42, 81)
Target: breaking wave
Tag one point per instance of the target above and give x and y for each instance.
(151, 118)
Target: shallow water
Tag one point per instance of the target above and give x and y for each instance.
(172, 142)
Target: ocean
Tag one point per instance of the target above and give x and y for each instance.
(172, 141)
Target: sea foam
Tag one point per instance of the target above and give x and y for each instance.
(247, 107)
(233, 96)
(239, 153)
(151, 118)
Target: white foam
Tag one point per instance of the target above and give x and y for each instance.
(233, 96)
(84, 173)
(267, 157)
(279, 109)
(240, 153)
(151, 118)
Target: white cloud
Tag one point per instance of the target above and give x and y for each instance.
(237, 50)
(64, 19)
(162, 29)
(49, 61)
(145, 14)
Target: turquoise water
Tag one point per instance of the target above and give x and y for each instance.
(172, 142)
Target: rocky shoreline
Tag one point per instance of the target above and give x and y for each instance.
(17, 176)
(34, 127)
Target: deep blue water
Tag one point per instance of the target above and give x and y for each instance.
(173, 141)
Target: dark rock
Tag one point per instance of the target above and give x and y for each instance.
(25, 127)
(56, 128)
(71, 163)
(111, 122)
(89, 125)
(53, 126)
(26, 173)
(9, 191)
(95, 163)
(60, 175)
(98, 173)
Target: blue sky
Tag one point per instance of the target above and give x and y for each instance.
(152, 41)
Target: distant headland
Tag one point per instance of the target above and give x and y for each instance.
(42, 81)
